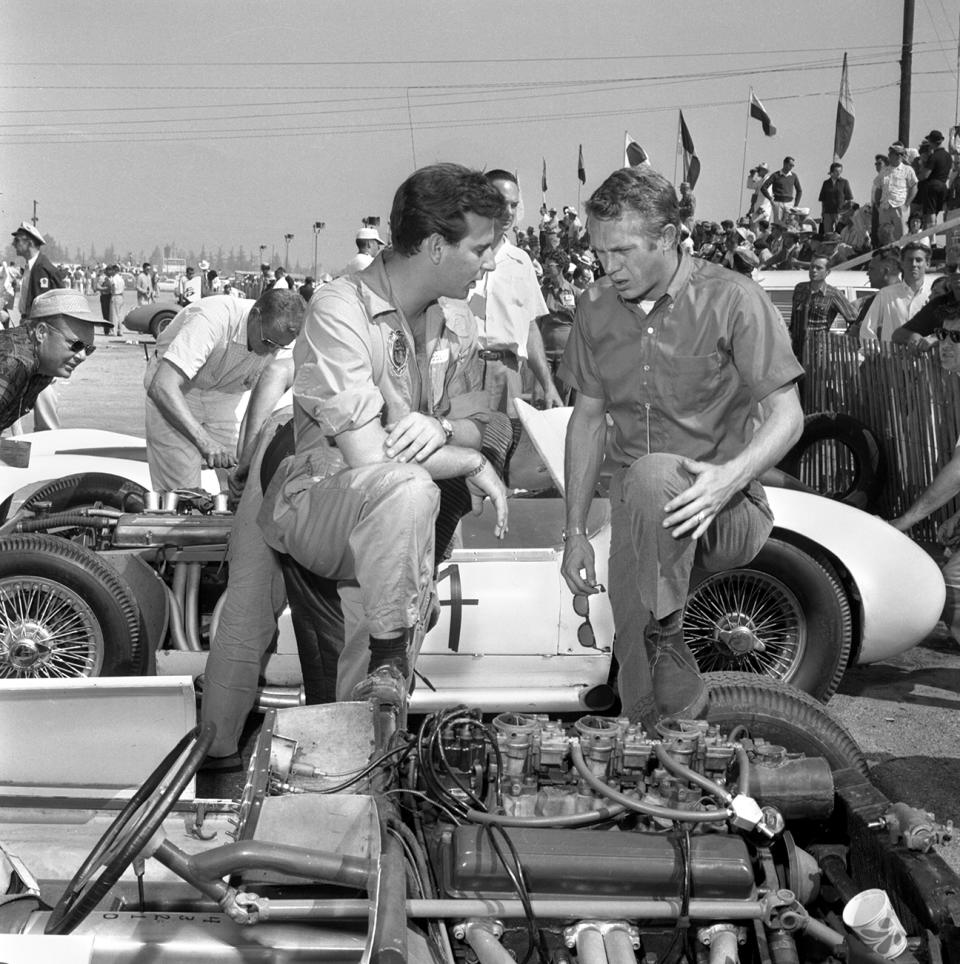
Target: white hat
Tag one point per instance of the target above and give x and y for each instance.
(203, 265)
(370, 234)
(30, 231)
(63, 301)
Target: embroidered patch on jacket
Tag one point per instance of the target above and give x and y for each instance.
(44, 282)
(398, 352)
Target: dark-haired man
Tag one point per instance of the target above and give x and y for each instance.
(896, 304)
(207, 357)
(782, 189)
(387, 399)
(834, 193)
(693, 365)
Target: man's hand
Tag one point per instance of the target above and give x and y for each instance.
(551, 397)
(414, 438)
(578, 567)
(215, 456)
(486, 484)
(236, 482)
(692, 511)
(947, 531)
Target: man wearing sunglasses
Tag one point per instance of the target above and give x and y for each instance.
(946, 485)
(918, 333)
(693, 366)
(206, 359)
(57, 337)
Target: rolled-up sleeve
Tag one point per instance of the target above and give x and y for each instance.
(335, 383)
(204, 329)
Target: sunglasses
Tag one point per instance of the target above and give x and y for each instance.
(75, 346)
(943, 334)
(268, 342)
(585, 634)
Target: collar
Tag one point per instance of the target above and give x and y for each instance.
(508, 249)
(677, 283)
(32, 261)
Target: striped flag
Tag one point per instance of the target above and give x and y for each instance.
(845, 117)
(758, 112)
(633, 154)
(543, 178)
(581, 172)
(691, 163)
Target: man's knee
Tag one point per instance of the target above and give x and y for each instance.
(405, 487)
(654, 479)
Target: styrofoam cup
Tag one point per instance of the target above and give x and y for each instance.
(872, 918)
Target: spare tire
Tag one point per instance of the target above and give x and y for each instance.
(839, 457)
(783, 715)
(64, 613)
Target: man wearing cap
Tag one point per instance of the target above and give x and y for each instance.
(207, 357)
(39, 273)
(56, 338)
(932, 190)
(834, 193)
(898, 187)
(369, 245)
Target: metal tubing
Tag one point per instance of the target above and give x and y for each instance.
(822, 933)
(177, 635)
(388, 942)
(572, 908)
(723, 947)
(619, 946)
(191, 609)
(279, 697)
(649, 810)
(590, 949)
(565, 820)
(486, 945)
(254, 855)
(678, 769)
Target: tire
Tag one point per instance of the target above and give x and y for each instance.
(840, 458)
(784, 616)
(64, 613)
(87, 489)
(160, 322)
(783, 715)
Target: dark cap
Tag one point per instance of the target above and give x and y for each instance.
(935, 136)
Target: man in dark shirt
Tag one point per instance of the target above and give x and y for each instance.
(932, 190)
(782, 188)
(834, 193)
(57, 338)
(918, 331)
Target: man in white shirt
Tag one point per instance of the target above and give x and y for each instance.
(507, 303)
(898, 187)
(369, 245)
(208, 356)
(896, 304)
(144, 285)
(189, 287)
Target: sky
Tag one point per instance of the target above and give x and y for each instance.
(210, 123)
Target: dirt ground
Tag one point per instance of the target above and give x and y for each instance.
(905, 712)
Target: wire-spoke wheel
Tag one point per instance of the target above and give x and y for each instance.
(784, 616)
(47, 631)
(64, 612)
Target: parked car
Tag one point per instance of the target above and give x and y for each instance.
(151, 319)
(833, 586)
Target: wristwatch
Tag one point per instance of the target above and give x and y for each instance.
(447, 427)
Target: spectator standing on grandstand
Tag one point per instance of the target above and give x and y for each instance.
(815, 305)
(945, 486)
(688, 204)
(761, 207)
(834, 193)
(898, 303)
(684, 490)
(782, 189)
(934, 173)
(898, 188)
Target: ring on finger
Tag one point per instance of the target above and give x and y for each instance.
(701, 515)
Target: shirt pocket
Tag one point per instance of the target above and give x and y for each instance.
(690, 382)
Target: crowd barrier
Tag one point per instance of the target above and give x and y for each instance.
(908, 401)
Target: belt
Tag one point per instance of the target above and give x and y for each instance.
(496, 354)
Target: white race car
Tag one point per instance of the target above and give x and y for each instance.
(122, 591)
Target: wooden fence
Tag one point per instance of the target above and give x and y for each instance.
(908, 401)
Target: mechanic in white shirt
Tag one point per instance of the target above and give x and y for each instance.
(896, 304)
(369, 245)
(189, 287)
(206, 359)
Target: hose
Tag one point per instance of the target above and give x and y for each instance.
(678, 769)
(647, 809)
(565, 820)
(177, 635)
(57, 520)
(743, 772)
(191, 610)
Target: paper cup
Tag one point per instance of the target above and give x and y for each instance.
(872, 918)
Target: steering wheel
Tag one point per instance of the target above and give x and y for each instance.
(129, 833)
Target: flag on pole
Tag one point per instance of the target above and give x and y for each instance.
(844, 129)
(758, 112)
(633, 153)
(581, 173)
(691, 163)
(543, 178)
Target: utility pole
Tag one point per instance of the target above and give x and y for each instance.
(34, 218)
(906, 72)
(286, 257)
(318, 226)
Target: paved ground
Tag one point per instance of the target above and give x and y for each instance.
(905, 713)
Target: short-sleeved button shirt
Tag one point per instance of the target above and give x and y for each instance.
(207, 342)
(686, 377)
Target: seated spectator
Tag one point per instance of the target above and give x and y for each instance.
(944, 487)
